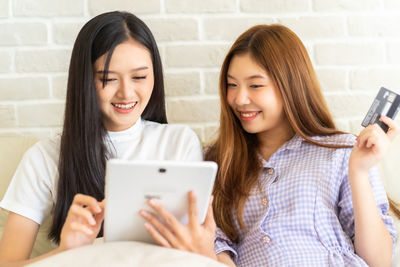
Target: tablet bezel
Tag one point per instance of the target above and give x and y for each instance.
(129, 183)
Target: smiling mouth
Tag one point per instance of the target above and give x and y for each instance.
(248, 115)
(124, 106)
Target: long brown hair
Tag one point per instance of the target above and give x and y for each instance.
(282, 54)
(394, 207)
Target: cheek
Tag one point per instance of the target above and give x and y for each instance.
(145, 90)
(230, 97)
(269, 100)
(105, 94)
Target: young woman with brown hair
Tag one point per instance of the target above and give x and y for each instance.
(291, 189)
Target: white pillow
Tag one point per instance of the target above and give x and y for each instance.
(126, 254)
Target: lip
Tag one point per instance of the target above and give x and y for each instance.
(124, 110)
(248, 115)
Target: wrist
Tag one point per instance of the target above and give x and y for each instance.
(357, 175)
(211, 255)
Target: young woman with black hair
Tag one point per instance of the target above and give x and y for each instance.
(115, 108)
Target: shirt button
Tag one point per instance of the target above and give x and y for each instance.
(266, 239)
(265, 201)
(270, 171)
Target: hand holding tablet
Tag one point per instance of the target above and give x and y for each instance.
(168, 232)
(130, 184)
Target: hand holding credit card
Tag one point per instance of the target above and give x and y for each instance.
(385, 103)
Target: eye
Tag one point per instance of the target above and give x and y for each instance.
(230, 85)
(107, 80)
(139, 77)
(256, 86)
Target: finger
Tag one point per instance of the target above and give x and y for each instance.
(162, 229)
(99, 217)
(209, 222)
(156, 236)
(369, 132)
(362, 135)
(394, 128)
(363, 138)
(169, 219)
(78, 227)
(192, 209)
(88, 201)
(102, 204)
(371, 141)
(83, 213)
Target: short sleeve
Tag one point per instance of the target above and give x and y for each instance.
(223, 243)
(346, 213)
(30, 191)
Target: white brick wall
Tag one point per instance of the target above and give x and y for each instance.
(47, 8)
(275, 6)
(200, 6)
(4, 8)
(23, 34)
(354, 44)
(24, 88)
(135, 6)
(5, 62)
(345, 5)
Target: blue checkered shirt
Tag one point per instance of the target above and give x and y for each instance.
(301, 212)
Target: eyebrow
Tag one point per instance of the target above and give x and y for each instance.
(132, 70)
(256, 76)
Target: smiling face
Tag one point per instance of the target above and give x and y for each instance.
(128, 86)
(253, 96)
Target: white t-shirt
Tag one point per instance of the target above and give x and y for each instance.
(32, 191)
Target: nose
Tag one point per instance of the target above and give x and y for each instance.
(242, 97)
(126, 89)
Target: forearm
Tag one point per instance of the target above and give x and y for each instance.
(32, 260)
(224, 258)
(372, 240)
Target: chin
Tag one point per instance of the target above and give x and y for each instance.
(251, 130)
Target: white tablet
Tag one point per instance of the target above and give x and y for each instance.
(129, 184)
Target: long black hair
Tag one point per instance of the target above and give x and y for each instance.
(83, 153)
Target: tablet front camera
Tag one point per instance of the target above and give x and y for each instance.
(162, 170)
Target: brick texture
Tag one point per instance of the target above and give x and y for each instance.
(24, 88)
(354, 47)
(23, 34)
(135, 6)
(204, 6)
(48, 8)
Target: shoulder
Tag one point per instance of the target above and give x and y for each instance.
(48, 147)
(42, 156)
(336, 155)
(172, 141)
(346, 140)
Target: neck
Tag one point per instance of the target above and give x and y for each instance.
(271, 141)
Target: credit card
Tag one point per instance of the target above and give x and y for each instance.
(385, 103)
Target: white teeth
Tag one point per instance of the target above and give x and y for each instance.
(122, 106)
(247, 115)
